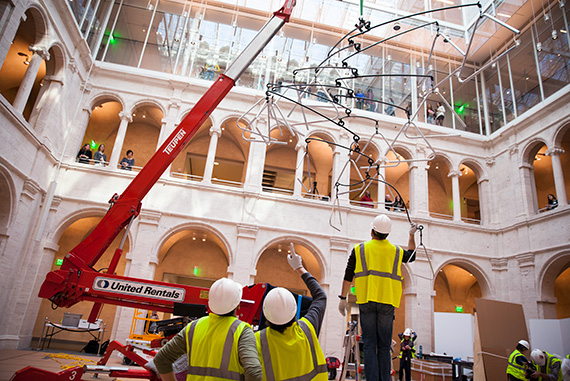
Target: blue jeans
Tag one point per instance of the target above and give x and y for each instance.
(376, 320)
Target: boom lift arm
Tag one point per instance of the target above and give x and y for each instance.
(77, 280)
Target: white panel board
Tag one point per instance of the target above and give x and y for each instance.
(565, 334)
(546, 334)
(454, 334)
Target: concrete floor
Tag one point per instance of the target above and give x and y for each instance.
(12, 360)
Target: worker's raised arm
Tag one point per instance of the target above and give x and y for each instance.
(318, 306)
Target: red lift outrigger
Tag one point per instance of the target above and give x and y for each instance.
(77, 280)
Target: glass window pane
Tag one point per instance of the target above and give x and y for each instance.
(525, 79)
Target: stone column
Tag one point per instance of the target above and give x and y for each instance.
(126, 118)
(456, 196)
(339, 251)
(38, 55)
(215, 133)
(241, 268)
(554, 154)
(419, 187)
(484, 197)
(499, 266)
(528, 296)
(255, 165)
(529, 202)
(381, 194)
(46, 107)
(301, 147)
(140, 264)
(168, 125)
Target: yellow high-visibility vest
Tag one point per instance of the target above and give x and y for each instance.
(293, 354)
(547, 368)
(378, 273)
(513, 368)
(212, 346)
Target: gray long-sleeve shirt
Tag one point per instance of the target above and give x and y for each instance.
(318, 306)
(247, 351)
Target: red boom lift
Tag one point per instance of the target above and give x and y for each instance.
(77, 280)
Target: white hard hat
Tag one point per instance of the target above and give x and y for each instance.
(538, 357)
(381, 224)
(225, 295)
(525, 344)
(279, 306)
(408, 332)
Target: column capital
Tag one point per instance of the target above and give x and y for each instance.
(126, 116)
(247, 230)
(215, 130)
(31, 188)
(525, 260)
(86, 87)
(513, 149)
(526, 165)
(301, 145)
(339, 244)
(72, 66)
(41, 51)
(555, 151)
(175, 103)
(499, 264)
(454, 173)
(149, 217)
(420, 148)
(482, 180)
(490, 161)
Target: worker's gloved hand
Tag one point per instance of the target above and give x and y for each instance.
(295, 260)
(413, 228)
(342, 307)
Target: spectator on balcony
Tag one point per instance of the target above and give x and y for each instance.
(84, 156)
(128, 161)
(388, 202)
(390, 109)
(359, 99)
(430, 114)
(100, 157)
(439, 114)
(398, 204)
(367, 201)
(552, 202)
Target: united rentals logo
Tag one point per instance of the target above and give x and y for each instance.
(174, 142)
(139, 289)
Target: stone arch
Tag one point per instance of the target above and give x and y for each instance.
(322, 262)
(147, 102)
(561, 130)
(474, 268)
(40, 22)
(191, 161)
(56, 65)
(404, 151)
(8, 206)
(106, 96)
(65, 222)
(221, 238)
(531, 149)
(552, 268)
(322, 132)
(475, 166)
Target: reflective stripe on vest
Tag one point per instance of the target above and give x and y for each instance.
(269, 372)
(223, 371)
(514, 369)
(365, 272)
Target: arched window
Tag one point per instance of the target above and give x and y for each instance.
(142, 134)
(363, 192)
(318, 165)
(399, 177)
(102, 129)
(280, 163)
(190, 163)
(455, 290)
(542, 176)
(231, 155)
(469, 194)
(439, 188)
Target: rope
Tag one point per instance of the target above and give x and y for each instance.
(79, 361)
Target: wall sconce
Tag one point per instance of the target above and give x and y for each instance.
(194, 236)
(279, 249)
(27, 61)
(204, 238)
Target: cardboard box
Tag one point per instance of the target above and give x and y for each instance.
(431, 370)
(70, 320)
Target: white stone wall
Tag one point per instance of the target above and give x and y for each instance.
(510, 253)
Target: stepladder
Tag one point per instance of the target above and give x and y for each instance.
(351, 360)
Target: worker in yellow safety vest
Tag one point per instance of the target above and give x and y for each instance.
(218, 346)
(376, 267)
(518, 364)
(289, 348)
(548, 366)
(566, 368)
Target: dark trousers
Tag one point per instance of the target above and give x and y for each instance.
(405, 364)
(376, 320)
